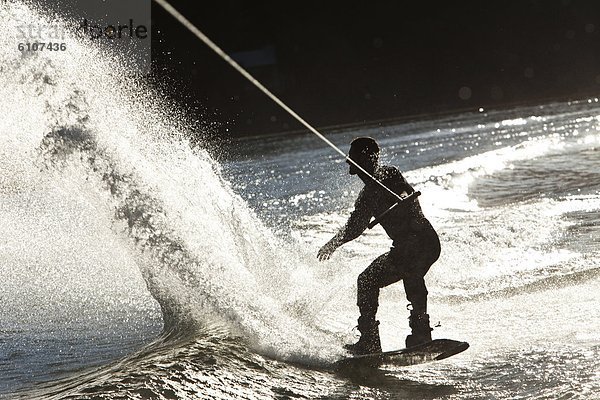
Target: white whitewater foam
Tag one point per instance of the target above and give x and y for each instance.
(203, 253)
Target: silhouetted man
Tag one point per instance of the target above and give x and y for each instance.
(415, 247)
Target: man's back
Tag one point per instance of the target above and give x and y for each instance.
(404, 220)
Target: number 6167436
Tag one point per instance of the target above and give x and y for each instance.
(36, 46)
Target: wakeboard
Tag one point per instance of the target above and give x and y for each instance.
(435, 350)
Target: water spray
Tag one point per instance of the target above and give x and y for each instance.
(198, 33)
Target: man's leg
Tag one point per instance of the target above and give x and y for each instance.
(409, 261)
(416, 292)
(368, 285)
(380, 273)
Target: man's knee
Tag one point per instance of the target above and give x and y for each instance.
(365, 281)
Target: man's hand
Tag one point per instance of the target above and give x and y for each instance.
(326, 251)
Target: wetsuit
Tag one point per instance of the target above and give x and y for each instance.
(415, 246)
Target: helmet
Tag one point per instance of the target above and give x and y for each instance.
(366, 145)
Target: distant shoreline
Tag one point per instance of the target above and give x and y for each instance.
(414, 117)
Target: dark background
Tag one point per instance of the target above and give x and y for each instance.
(355, 62)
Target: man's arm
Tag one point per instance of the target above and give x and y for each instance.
(355, 226)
